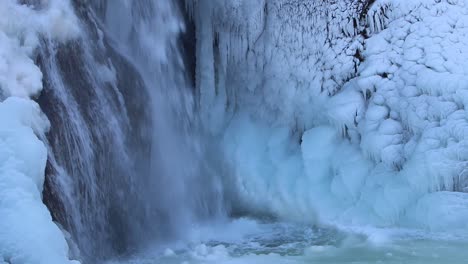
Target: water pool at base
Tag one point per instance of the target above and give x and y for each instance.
(248, 241)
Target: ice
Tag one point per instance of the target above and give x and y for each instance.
(355, 120)
(436, 210)
(27, 233)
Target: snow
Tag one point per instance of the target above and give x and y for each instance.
(19, 38)
(18, 74)
(339, 124)
(27, 232)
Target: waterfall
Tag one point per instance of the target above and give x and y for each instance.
(125, 159)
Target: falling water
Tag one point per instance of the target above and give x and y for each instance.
(125, 159)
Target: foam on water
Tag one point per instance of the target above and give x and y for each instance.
(257, 242)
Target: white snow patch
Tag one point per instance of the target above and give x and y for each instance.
(27, 233)
(20, 27)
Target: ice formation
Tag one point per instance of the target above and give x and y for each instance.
(340, 111)
(27, 233)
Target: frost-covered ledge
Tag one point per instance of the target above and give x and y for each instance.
(27, 232)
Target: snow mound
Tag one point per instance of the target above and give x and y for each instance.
(27, 233)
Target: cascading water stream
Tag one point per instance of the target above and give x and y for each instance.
(89, 165)
(125, 162)
(149, 32)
